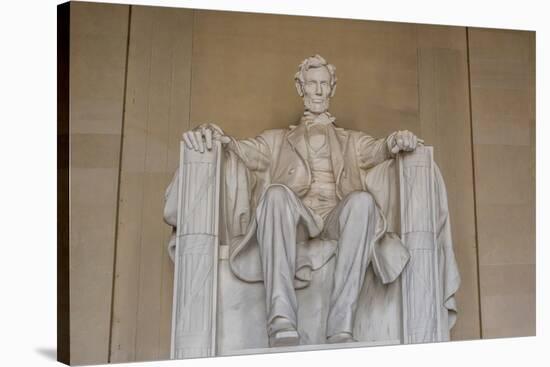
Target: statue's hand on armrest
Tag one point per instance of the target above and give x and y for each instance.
(402, 141)
(200, 138)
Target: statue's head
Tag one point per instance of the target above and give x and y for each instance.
(316, 83)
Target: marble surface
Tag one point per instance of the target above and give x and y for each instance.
(348, 282)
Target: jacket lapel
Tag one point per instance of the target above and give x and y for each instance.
(337, 139)
(296, 138)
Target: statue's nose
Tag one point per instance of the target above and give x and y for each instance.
(318, 89)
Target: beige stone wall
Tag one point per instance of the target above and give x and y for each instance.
(140, 76)
(98, 38)
(502, 69)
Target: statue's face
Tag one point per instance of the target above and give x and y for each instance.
(316, 90)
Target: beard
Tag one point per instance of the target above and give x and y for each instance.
(314, 107)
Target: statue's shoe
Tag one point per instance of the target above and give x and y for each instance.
(341, 338)
(283, 333)
(284, 338)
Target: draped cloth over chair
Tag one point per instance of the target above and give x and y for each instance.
(218, 309)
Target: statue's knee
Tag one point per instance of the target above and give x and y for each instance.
(361, 202)
(274, 200)
(275, 193)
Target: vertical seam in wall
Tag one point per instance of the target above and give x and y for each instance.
(533, 155)
(154, 21)
(166, 168)
(191, 69)
(418, 89)
(474, 181)
(109, 346)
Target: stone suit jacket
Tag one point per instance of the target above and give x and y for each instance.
(279, 156)
(360, 162)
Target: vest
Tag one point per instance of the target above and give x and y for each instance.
(321, 197)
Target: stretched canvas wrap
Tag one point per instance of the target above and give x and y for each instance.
(237, 183)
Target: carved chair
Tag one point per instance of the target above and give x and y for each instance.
(214, 313)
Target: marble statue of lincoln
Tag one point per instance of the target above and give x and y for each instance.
(313, 187)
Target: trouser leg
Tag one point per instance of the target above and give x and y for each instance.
(277, 215)
(354, 221)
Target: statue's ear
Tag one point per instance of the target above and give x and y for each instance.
(299, 88)
(332, 91)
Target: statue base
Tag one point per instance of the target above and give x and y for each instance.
(311, 347)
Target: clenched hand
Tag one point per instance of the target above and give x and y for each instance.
(200, 138)
(404, 141)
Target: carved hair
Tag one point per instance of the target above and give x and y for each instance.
(315, 61)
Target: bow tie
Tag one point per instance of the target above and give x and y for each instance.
(310, 119)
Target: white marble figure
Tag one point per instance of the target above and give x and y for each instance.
(295, 198)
